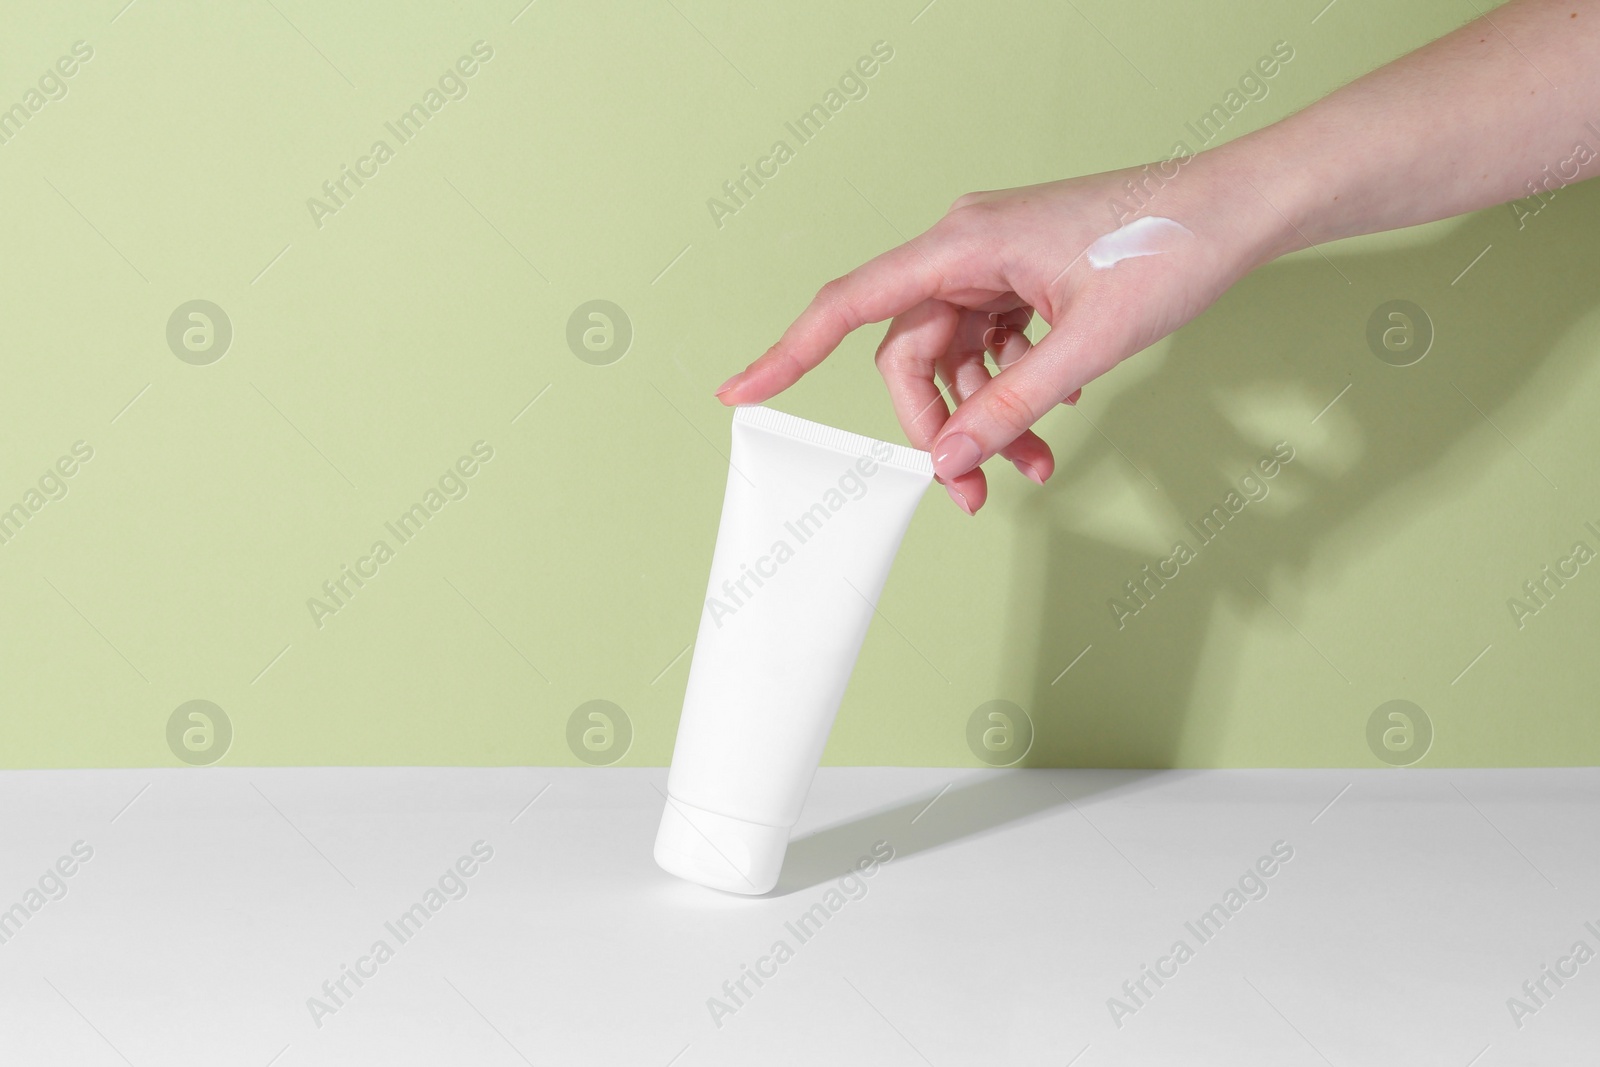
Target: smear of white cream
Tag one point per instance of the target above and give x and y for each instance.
(1149, 236)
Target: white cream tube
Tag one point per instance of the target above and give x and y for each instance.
(811, 521)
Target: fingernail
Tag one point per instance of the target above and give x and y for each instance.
(955, 494)
(957, 454)
(1029, 471)
(1076, 393)
(725, 386)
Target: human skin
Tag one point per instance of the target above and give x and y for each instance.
(1464, 123)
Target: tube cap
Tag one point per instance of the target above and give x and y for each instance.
(720, 851)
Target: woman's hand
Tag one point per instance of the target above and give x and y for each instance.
(971, 284)
(1500, 109)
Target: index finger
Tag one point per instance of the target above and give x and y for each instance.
(880, 289)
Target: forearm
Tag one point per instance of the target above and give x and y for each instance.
(1505, 106)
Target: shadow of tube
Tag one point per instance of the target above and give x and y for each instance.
(982, 803)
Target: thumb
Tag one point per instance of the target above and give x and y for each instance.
(1019, 396)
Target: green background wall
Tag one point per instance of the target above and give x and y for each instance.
(370, 352)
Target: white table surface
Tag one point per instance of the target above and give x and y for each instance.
(217, 901)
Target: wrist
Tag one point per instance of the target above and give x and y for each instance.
(1258, 203)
